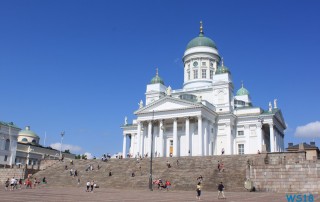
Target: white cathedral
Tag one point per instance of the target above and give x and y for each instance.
(203, 118)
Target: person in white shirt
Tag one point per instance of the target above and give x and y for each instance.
(88, 186)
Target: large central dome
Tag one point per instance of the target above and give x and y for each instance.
(201, 40)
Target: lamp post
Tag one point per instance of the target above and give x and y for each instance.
(62, 134)
(150, 178)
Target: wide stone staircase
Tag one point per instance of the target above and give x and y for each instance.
(182, 177)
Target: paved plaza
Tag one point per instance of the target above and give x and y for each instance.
(78, 194)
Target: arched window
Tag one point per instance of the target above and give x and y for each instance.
(7, 146)
(34, 141)
(24, 140)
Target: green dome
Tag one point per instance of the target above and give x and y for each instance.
(201, 40)
(157, 79)
(242, 91)
(28, 132)
(222, 69)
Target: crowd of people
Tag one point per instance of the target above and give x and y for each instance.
(13, 183)
(29, 183)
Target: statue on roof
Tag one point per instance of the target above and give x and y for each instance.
(275, 103)
(140, 104)
(125, 120)
(270, 107)
(169, 91)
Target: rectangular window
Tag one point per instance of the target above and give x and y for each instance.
(204, 75)
(211, 74)
(188, 75)
(195, 74)
(240, 133)
(188, 65)
(5, 158)
(240, 149)
(203, 63)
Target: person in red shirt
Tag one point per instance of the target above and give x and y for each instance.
(168, 185)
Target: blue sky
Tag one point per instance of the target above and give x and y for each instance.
(82, 66)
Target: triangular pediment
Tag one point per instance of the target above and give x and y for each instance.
(280, 118)
(166, 104)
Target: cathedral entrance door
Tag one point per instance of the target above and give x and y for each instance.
(171, 147)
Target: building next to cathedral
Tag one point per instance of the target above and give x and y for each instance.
(205, 117)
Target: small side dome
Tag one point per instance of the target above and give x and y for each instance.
(242, 91)
(157, 79)
(29, 133)
(201, 40)
(222, 69)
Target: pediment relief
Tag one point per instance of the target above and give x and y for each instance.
(167, 103)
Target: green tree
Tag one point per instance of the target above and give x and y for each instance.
(84, 157)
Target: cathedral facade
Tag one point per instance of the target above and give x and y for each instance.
(203, 118)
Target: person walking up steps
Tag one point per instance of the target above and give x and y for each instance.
(198, 190)
(88, 186)
(220, 191)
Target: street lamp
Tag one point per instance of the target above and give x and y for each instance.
(62, 134)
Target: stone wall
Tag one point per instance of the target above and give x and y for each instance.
(6, 173)
(285, 172)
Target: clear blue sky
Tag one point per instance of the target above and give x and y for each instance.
(82, 66)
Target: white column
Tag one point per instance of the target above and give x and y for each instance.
(175, 138)
(229, 140)
(271, 138)
(142, 140)
(276, 141)
(247, 136)
(161, 150)
(188, 136)
(132, 149)
(200, 136)
(149, 138)
(205, 137)
(259, 137)
(282, 142)
(138, 149)
(211, 135)
(124, 147)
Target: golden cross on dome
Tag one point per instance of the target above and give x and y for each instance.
(201, 28)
